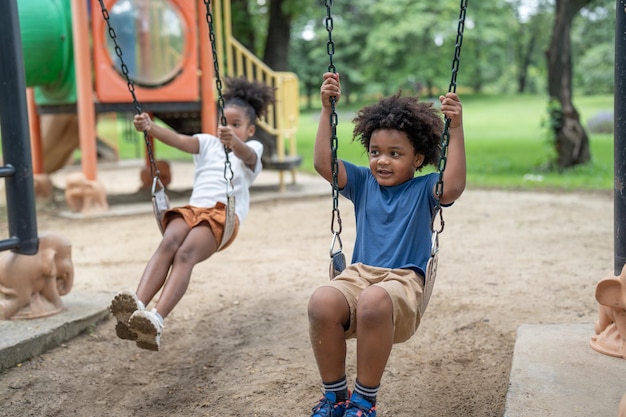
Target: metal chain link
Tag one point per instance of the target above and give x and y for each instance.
(445, 135)
(154, 170)
(228, 170)
(334, 141)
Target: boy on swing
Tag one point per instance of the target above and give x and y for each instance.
(376, 299)
(194, 232)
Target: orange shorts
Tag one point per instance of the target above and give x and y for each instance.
(215, 217)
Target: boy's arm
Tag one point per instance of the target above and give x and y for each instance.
(454, 176)
(322, 156)
(185, 143)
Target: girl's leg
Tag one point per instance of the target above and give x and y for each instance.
(157, 268)
(199, 244)
(328, 313)
(374, 330)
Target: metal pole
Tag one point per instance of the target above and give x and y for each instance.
(20, 190)
(620, 138)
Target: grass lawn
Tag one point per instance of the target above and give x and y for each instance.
(505, 138)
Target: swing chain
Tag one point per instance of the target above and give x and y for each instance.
(228, 170)
(334, 141)
(154, 170)
(445, 135)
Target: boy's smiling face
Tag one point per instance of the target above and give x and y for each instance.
(393, 159)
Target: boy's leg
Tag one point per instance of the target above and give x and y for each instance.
(329, 314)
(375, 332)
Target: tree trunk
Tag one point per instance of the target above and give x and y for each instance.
(572, 142)
(278, 35)
(527, 51)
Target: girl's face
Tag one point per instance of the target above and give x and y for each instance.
(237, 119)
(393, 160)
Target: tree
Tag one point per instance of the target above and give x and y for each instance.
(571, 140)
(278, 35)
(528, 38)
(594, 49)
(243, 24)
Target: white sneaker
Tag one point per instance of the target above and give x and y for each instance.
(123, 305)
(147, 326)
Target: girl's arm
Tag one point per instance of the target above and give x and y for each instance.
(185, 143)
(322, 156)
(240, 148)
(454, 176)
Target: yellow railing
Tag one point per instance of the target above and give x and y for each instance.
(282, 117)
(281, 120)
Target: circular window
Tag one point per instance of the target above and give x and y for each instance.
(151, 35)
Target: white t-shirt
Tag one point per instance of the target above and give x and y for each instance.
(209, 184)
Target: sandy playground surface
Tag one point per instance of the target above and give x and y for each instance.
(237, 344)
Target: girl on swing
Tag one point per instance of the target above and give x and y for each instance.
(376, 299)
(194, 232)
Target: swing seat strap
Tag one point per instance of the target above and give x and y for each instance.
(229, 225)
(160, 201)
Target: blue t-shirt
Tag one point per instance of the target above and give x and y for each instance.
(393, 224)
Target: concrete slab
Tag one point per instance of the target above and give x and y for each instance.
(21, 340)
(555, 373)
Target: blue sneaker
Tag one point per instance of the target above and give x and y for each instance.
(329, 407)
(359, 407)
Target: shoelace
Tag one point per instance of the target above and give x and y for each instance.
(325, 406)
(366, 411)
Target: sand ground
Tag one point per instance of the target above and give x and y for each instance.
(237, 344)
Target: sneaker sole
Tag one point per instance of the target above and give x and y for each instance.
(148, 336)
(122, 307)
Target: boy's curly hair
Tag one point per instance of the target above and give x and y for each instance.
(253, 96)
(421, 122)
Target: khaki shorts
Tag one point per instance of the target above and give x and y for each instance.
(404, 286)
(215, 217)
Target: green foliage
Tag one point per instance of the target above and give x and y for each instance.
(554, 122)
(505, 141)
(382, 46)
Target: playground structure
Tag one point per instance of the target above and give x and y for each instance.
(166, 47)
(55, 94)
(618, 199)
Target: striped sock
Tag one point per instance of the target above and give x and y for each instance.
(369, 393)
(339, 387)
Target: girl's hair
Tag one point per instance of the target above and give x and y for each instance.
(252, 96)
(421, 122)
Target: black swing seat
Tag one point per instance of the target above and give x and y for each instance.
(271, 159)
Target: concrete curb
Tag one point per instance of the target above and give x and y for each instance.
(555, 373)
(22, 340)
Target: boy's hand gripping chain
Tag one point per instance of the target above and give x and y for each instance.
(431, 267)
(337, 258)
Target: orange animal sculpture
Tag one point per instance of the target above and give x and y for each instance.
(85, 196)
(31, 286)
(610, 328)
